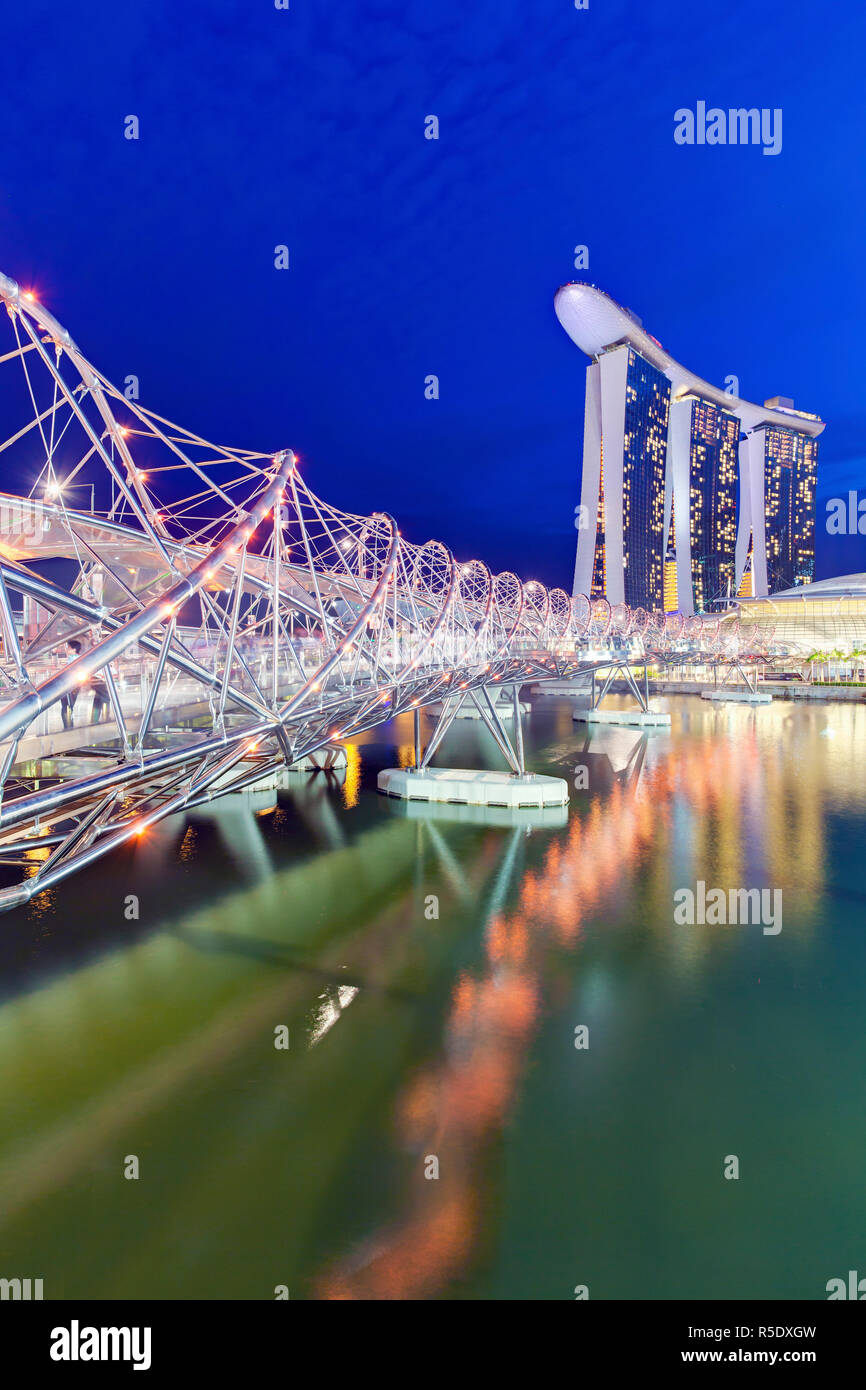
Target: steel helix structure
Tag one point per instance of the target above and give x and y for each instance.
(179, 619)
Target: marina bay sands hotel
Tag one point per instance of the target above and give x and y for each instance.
(689, 495)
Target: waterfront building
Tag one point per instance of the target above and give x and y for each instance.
(671, 602)
(647, 405)
(625, 437)
(747, 583)
(780, 467)
(661, 444)
(703, 457)
(827, 616)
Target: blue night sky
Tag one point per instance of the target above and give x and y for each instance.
(408, 257)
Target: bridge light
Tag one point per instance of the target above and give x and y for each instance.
(28, 294)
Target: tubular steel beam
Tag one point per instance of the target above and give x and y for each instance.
(334, 625)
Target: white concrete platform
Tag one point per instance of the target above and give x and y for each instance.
(632, 718)
(303, 776)
(250, 800)
(577, 689)
(300, 774)
(740, 697)
(462, 787)
(500, 817)
(331, 758)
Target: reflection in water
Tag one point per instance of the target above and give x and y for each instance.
(697, 806)
(414, 1037)
(334, 1002)
(352, 784)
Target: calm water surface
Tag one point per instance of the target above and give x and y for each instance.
(416, 1037)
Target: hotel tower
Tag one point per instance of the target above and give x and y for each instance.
(688, 492)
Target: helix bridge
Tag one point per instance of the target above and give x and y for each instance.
(180, 619)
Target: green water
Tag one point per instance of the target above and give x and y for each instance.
(431, 975)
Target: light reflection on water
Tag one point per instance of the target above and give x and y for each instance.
(554, 1165)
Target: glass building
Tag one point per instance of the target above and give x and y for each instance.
(647, 403)
(703, 454)
(824, 617)
(599, 574)
(737, 479)
(781, 467)
(790, 470)
(621, 551)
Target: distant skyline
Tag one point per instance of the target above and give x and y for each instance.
(411, 257)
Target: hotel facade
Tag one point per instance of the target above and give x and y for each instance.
(689, 495)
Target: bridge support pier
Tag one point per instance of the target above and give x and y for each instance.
(631, 718)
(642, 717)
(518, 733)
(749, 694)
(467, 787)
(516, 790)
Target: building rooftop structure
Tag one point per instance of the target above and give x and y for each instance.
(842, 586)
(830, 613)
(596, 322)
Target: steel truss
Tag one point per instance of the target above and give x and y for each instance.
(228, 620)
